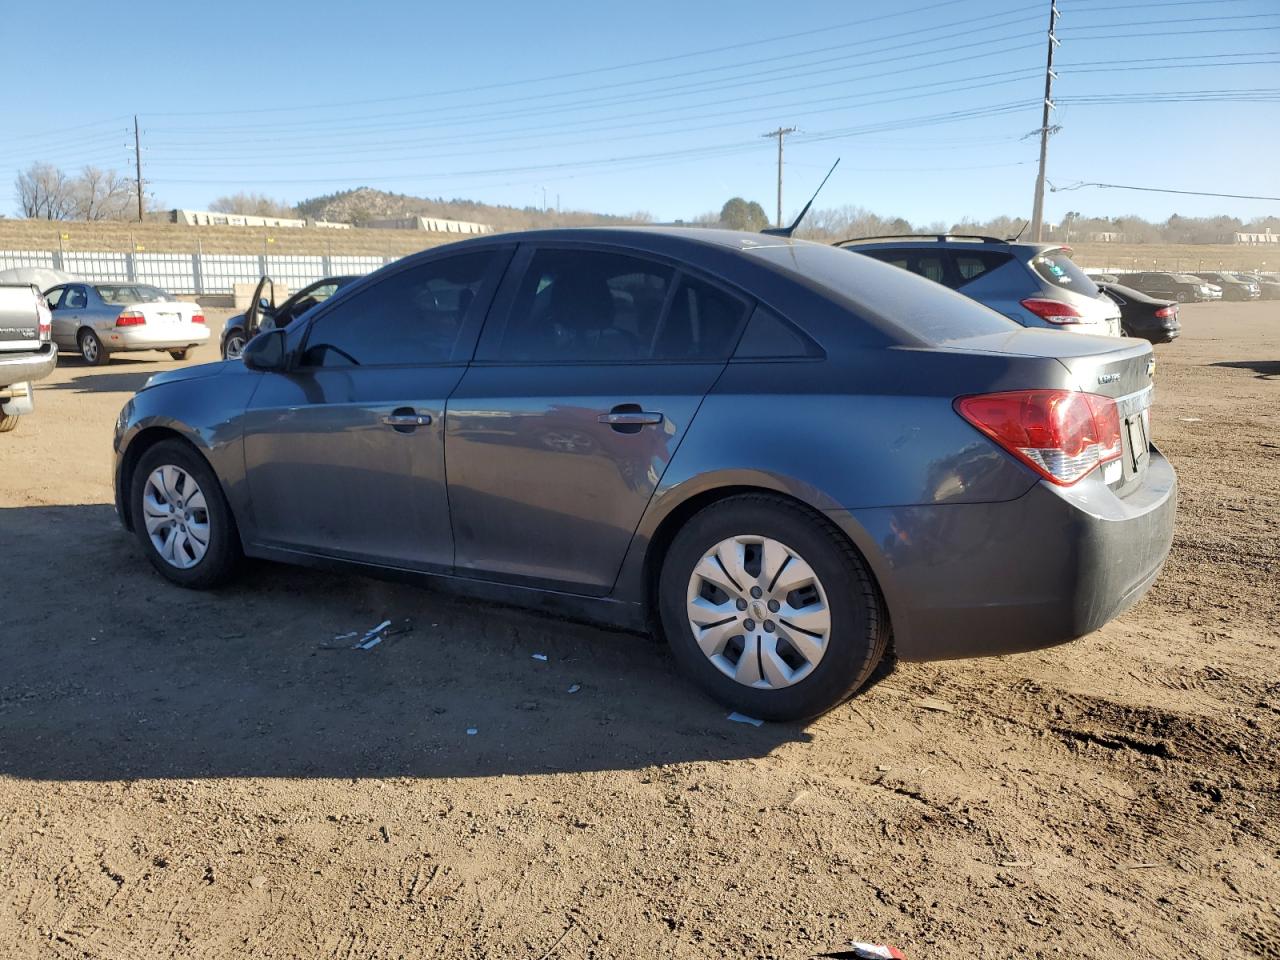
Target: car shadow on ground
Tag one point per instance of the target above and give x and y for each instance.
(102, 381)
(108, 672)
(1265, 369)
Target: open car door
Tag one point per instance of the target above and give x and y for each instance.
(260, 308)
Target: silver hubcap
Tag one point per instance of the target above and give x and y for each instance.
(758, 612)
(235, 347)
(89, 349)
(176, 516)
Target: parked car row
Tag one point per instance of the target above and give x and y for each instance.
(778, 452)
(1200, 286)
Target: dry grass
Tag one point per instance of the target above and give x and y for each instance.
(178, 238)
(1177, 256)
(175, 238)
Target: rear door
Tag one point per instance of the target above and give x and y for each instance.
(578, 397)
(344, 453)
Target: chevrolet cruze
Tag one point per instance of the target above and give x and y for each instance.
(783, 457)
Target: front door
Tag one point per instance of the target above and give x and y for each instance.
(344, 453)
(562, 428)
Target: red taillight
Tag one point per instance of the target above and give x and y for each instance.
(197, 318)
(130, 318)
(1170, 311)
(1060, 434)
(44, 319)
(1053, 311)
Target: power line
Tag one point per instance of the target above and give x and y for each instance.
(583, 73)
(1190, 193)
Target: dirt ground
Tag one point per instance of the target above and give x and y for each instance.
(211, 775)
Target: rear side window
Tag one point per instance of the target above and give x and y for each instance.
(931, 265)
(769, 337)
(1055, 267)
(971, 264)
(76, 298)
(595, 306)
(412, 317)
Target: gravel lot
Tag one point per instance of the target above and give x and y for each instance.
(204, 775)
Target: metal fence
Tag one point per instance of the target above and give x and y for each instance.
(193, 273)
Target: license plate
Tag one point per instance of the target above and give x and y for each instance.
(169, 317)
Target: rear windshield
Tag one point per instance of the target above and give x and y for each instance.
(124, 293)
(1058, 269)
(925, 310)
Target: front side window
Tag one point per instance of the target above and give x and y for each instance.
(413, 316)
(54, 296)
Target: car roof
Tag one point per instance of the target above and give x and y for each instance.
(951, 241)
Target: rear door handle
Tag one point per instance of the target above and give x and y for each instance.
(630, 418)
(406, 419)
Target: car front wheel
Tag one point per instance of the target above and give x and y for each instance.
(770, 609)
(234, 347)
(181, 517)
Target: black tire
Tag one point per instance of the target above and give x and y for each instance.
(8, 421)
(233, 346)
(859, 623)
(91, 350)
(180, 354)
(223, 555)
(1182, 296)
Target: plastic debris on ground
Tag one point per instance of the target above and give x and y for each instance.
(381, 632)
(472, 731)
(743, 718)
(540, 656)
(866, 951)
(575, 688)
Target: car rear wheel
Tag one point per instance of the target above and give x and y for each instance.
(234, 347)
(8, 421)
(181, 518)
(91, 348)
(1182, 296)
(180, 354)
(770, 609)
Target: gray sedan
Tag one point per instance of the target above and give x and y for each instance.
(783, 457)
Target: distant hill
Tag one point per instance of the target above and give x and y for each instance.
(364, 203)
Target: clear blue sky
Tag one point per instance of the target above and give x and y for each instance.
(496, 101)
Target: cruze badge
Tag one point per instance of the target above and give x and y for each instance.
(1109, 378)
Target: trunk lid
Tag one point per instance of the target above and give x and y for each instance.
(166, 312)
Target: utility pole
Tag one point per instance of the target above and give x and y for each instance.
(137, 160)
(1037, 209)
(780, 133)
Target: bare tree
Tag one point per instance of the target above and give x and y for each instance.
(44, 193)
(252, 204)
(102, 195)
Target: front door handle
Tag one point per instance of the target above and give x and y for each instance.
(630, 418)
(406, 419)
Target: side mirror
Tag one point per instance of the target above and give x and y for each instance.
(264, 304)
(266, 351)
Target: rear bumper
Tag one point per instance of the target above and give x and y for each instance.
(154, 337)
(966, 580)
(25, 367)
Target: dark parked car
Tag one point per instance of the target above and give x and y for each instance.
(240, 329)
(1143, 316)
(1035, 284)
(1179, 287)
(1234, 286)
(780, 454)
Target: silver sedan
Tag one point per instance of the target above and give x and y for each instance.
(99, 319)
